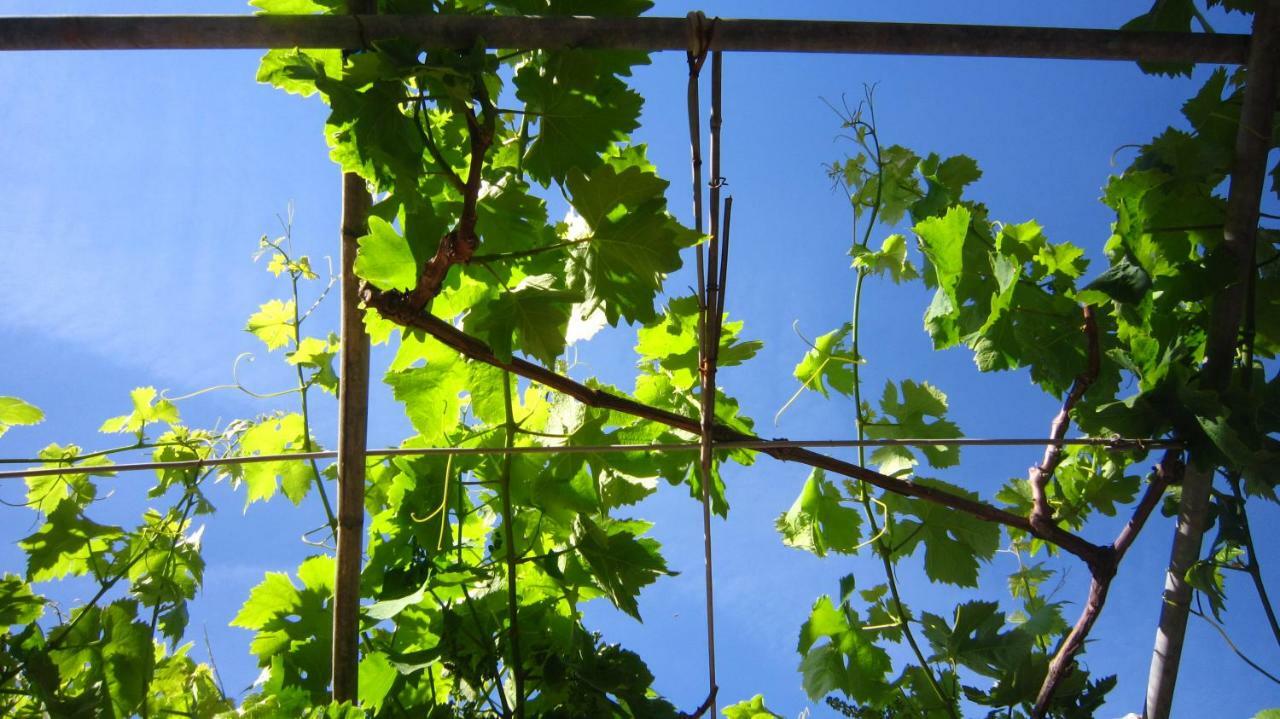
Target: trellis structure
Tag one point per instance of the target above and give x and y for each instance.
(1259, 52)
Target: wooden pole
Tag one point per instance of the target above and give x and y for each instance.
(353, 426)
(353, 407)
(644, 33)
(1253, 142)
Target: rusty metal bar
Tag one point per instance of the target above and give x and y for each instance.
(152, 32)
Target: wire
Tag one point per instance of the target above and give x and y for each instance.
(1117, 444)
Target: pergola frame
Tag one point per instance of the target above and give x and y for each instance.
(1258, 51)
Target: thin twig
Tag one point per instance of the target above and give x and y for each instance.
(1041, 512)
(1227, 638)
(1253, 568)
(509, 539)
(704, 706)
(422, 123)
(879, 538)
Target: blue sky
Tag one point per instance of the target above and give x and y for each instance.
(139, 183)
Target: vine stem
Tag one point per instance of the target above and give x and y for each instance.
(1227, 638)
(136, 446)
(882, 545)
(390, 308)
(1253, 568)
(306, 413)
(103, 588)
(509, 539)
(188, 502)
(1169, 471)
(884, 551)
(1039, 475)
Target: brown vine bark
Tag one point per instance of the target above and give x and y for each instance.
(1041, 513)
(477, 350)
(1168, 472)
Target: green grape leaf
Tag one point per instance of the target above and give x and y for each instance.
(281, 434)
(385, 258)
(44, 493)
(974, 638)
(67, 543)
(126, 659)
(1165, 16)
(891, 258)
(829, 363)
(297, 71)
(752, 708)
(533, 317)
(15, 412)
(146, 410)
(893, 188)
(846, 660)
(919, 414)
(273, 323)
(389, 608)
(377, 676)
(672, 341)
(1085, 481)
(293, 625)
(621, 561)
(817, 522)
(289, 7)
(1125, 281)
(371, 135)
(625, 182)
(581, 106)
(954, 542)
(632, 242)
(318, 355)
(181, 685)
(18, 604)
(942, 241)
(945, 181)
(509, 219)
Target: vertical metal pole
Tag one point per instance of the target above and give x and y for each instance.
(353, 419)
(1253, 141)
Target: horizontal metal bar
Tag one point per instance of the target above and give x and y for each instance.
(154, 32)
(1110, 443)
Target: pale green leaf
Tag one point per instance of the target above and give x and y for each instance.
(273, 323)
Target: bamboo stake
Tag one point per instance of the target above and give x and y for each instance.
(353, 421)
(155, 32)
(709, 332)
(1253, 141)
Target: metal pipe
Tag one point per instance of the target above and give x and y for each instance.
(153, 32)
